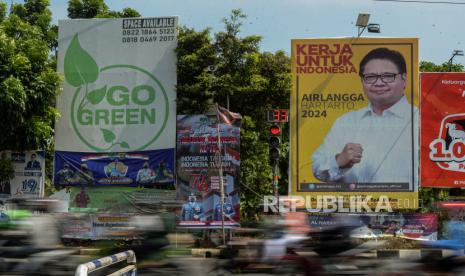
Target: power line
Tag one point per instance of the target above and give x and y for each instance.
(423, 2)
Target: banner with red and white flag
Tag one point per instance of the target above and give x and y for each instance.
(208, 145)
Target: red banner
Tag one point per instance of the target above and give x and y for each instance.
(442, 130)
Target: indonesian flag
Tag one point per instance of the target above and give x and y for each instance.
(227, 117)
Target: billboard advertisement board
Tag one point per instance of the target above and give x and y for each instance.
(354, 119)
(28, 181)
(442, 130)
(198, 171)
(118, 97)
(402, 225)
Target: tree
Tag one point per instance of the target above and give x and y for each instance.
(96, 9)
(227, 68)
(28, 82)
(196, 59)
(127, 12)
(428, 66)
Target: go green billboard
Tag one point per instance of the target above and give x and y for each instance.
(118, 89)
(118, 105)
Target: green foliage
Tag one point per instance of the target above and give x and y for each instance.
(86, 8)
(3, 9)
(195, 83)
(226, 67)
(428, 66)
(127, 12)
(7, 171)
(256, 176)
(96, 9)
(430, 197)
(28, 82)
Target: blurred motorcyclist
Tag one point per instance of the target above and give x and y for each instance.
(151, 236)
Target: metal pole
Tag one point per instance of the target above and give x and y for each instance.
(220, 172)
(275, 180)
(360, 30)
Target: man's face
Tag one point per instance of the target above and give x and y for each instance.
(380, 93)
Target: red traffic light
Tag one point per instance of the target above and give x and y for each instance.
(275, 130)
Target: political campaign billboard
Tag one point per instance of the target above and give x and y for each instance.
(354, 120)
(29, 175)
(118, 102)
(401, 225)
(442, 130)
(200, 162)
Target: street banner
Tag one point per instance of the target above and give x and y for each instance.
(144, 168)
(118, 200)
(200, 162)
(126, 226)
(98, 227)
(118, 94)
(453, 228)
(354, 121)
(409, 225)
(28, 181)
(442, 130)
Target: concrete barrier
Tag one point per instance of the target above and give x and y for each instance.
(129, 256)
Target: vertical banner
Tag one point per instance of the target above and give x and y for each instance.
(442, 130)
(198, 169)
(28, 181)
(354, 123)
(118, 110)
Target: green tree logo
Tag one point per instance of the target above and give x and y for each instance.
(112, 100)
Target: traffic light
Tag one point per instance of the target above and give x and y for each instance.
(274, 141)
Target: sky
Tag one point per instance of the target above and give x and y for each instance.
(439, 26)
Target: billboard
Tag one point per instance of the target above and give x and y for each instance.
(198, 171)
(28, 181)
(118, 98)
(402, 225)
(118, 200)
(354, 131)
(442, 130)
(110, 226)
(137, 168)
